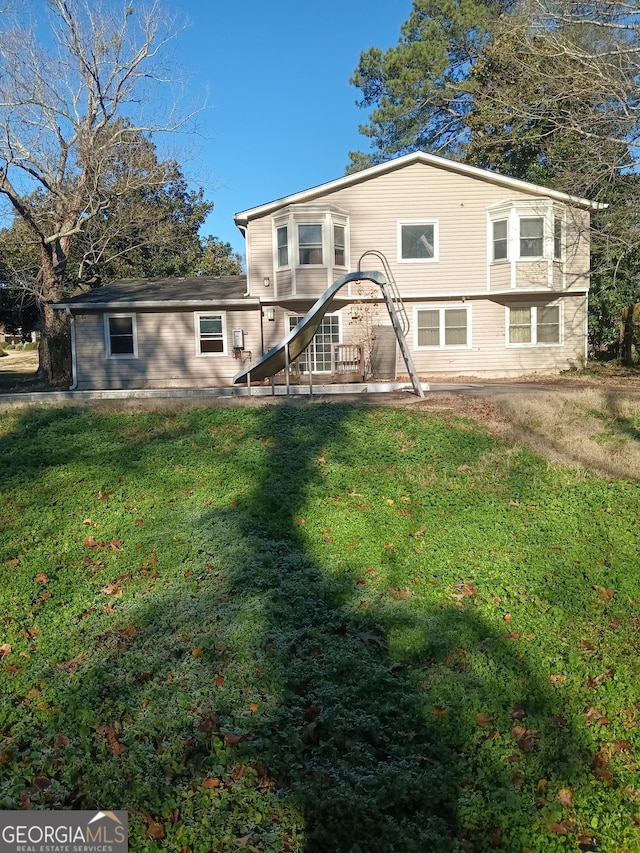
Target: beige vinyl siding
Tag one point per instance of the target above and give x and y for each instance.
(500, 276)
(284, 284)
(167, 353)
(458, 203)
(488, 355)
(260, 249)
(532, 274)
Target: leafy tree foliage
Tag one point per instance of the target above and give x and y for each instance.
(67, 154)
(421, 90)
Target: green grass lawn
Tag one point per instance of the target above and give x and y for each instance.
(317, 628)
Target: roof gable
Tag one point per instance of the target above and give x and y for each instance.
(244, 217)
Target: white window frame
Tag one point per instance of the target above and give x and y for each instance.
(495, 240)
(198, 335)
(107, 335)
(287, 246)
(323, 216)
(436, 241)
(442, 309)
(334, 244)
(312, 246)
(534, 327)
(514, 211)
(310, 353)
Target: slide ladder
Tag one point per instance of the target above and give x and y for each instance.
(398, 315)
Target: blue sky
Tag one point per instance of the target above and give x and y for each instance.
(282, 115)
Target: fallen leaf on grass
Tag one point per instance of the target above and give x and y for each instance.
(212, 782)
(5, 649)
(112, 589)
(73, 664)
(559, 828)
(597, 679)
(465, 589)
(154, 830)
(254, 707)
(90, 542)
(557, 679)
(507, 618)
(565, 797)
(233, 739)
(439, 711)
(483, 720)
(399, 593)
(14, 562)
(109, 733)
(605, 594)
(41, 578)
(218, 680)
(210, 723)
(517, 780)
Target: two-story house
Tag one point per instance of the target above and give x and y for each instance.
(493, 273)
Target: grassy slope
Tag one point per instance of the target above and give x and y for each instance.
(317, 628)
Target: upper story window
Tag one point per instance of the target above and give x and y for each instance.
(120, 336)
(558, 238)
(311, 235)
(532, 237)
(526, 230)
(500, 241)
(210, 334)
(282, 238)
(339, 245)
(417, 241)
(310, 244)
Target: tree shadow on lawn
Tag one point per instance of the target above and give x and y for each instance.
(265, 703)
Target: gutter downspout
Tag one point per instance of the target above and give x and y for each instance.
(243, 231)
(74, 355)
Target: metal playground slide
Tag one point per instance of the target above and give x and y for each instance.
(294, 344)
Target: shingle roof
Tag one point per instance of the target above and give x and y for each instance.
(162, 292)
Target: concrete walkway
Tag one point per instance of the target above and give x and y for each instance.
(233, 393)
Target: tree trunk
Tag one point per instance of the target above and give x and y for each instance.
(54, 348)
(630, 335)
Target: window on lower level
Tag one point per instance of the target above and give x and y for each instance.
(310, 244)
(442, 327)
(210, 334)
(417, 241)
(318, 353)
(120, 336)
(538, 324)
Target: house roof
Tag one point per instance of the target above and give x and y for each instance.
(162, 293)
(244, 217)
